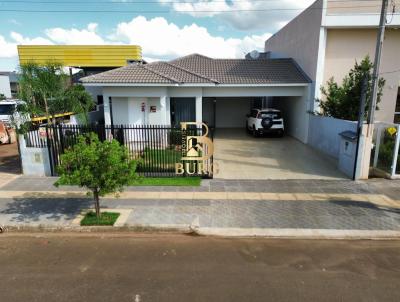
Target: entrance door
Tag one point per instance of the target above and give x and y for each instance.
(182, 110)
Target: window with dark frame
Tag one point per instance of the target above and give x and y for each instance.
(100, 100)
(397, 109)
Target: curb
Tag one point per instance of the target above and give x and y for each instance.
(317, 234)
(92, 229)
(299, 233)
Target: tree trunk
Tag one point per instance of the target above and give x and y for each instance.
(47, 110)
(96, 203)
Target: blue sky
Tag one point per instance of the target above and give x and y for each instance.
(165, 28)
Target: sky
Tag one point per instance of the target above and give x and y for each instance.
(165, 29)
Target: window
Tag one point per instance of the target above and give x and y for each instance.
(7, 109)
(397, 109)
(100, 100)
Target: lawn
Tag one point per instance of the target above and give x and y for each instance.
(106, 218)
(166, 181)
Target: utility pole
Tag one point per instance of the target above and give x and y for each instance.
(364, 143)
(375, 75)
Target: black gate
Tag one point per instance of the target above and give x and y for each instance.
(157, 148)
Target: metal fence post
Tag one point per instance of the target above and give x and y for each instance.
(377, 145)
(49, 150)
(396, 152)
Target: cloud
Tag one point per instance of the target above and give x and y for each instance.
(8, 49)
(15, 22)
(246, 14)
(75, 36)
(161, 39)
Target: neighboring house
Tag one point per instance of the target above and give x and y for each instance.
(12, 78)
(88, 59)
(5, 87)
(219, 92)
(327, 38)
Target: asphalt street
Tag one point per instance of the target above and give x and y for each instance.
(166, 267)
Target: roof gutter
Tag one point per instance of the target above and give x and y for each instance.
(193, 85)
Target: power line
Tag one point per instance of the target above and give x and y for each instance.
(147, 2)
(169, 11)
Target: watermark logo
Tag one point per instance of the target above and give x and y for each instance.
(197, 151)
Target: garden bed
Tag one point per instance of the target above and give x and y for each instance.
(106, 218)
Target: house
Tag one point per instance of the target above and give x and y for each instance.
(327, 38)
(5, 84)
(219, 92)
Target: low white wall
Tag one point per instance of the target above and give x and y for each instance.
(324, 133)
(35, 161)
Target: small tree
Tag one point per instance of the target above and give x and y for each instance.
(343, 102)
(101, 167)
(45, 89)
(2, 97)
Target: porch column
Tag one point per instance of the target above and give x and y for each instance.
(164, 110)
(199, 109)
(106, 107)
(168, 110)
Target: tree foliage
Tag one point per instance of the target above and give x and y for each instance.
(46, 91)
(101, 167)
(343, 101)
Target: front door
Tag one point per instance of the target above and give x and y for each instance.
(182, 110)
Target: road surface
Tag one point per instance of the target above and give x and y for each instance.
(163, 267)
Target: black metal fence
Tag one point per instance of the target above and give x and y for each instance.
(156, 148)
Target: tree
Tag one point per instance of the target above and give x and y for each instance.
(46, 91)
(79, 101)
(343, 101)
(2, 97)
(101, 167)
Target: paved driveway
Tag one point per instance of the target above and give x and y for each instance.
(240, 156)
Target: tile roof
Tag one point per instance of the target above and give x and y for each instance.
(198, 69)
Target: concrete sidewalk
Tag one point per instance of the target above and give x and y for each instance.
(259, 208)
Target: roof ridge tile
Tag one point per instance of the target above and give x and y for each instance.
(161, 74)
(193, 72)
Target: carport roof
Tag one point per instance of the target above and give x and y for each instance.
(198, 69)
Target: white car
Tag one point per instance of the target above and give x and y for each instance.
(268, 120)
(9, 114)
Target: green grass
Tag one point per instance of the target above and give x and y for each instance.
(106, 218)
(159, 159)
(173, 181)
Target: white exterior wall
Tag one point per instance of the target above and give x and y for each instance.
(35, 161)
(231, 108)
(295, 113)
(5, 86)
(324, 133)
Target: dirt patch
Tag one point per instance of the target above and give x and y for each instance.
(9, 159)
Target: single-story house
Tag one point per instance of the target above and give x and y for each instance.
(197, 88)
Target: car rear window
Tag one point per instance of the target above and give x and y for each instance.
(270, 114)
(7, 109)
